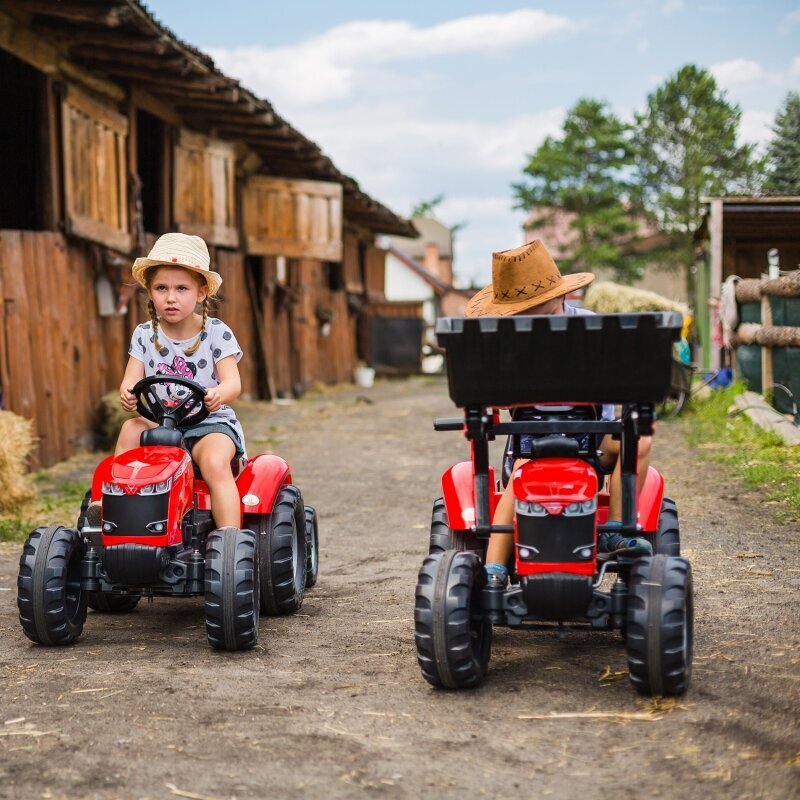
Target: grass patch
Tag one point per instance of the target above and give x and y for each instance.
(760, 457)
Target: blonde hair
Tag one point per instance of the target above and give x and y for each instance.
(151, 309)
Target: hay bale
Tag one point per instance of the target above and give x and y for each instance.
(748, 290)
(16, 445)
(111, 418)
(606, 297)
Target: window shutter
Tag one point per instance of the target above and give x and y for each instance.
(203, 204)
(95, 171)
(293, 218)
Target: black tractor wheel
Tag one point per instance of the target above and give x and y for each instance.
(443, 537)
(52, 605)
(232, 589)
(282, 548)
(454, 643)
(112, 603)
(660, 625)
(87, 499)
(312, 546)
(667, 539)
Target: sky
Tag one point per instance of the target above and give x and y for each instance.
(450, 97)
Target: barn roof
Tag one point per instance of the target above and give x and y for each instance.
(123, 40)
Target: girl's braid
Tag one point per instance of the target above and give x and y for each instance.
(202, 335)
(154, 322)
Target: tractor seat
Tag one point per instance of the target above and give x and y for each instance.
(161, 437)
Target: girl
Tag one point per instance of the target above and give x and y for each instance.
(179, 341)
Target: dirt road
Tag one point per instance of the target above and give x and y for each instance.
(332, 703)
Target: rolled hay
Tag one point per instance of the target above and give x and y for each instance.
(16, 445)
(746, 333)
(748, 290)
(778, 336)
(606, 297)
(111, 418)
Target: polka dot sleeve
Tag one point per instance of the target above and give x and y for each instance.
(223, 342)
(138, 348)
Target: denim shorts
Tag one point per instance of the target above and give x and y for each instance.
(195, 432)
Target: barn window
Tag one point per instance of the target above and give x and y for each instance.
(94, 139)
(24, 166)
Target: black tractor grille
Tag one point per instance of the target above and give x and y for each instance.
(556, 539)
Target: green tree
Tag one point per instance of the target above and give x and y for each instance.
(687, 144)
(783, 153)
(586, 172)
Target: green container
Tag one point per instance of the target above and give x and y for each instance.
(749, 312)
(748, 364)
(786, 371)
(785, 311)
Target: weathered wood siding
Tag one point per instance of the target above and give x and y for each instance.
(57, 355)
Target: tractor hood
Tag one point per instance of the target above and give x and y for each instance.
(143, 466)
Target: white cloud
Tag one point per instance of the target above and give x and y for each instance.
(756, 127)
(792, 18)
(671, 6)
(737, 72)
(325, 67)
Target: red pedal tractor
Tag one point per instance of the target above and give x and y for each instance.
(560, 510)
(156, 537)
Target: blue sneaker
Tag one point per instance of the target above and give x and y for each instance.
(496, 576)
(617, 542)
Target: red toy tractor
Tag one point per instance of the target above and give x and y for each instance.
(554, 370)
(156, 537)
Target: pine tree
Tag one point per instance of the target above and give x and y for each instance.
(783, 153)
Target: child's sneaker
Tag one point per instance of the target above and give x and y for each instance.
(614, 541)
(496, 576)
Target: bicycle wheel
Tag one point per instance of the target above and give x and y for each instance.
(673, 403)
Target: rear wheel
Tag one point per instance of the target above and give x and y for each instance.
(673, 403)
(667, 539)
(52, 606)
(443, 537)
(454, 643)
(282, 547)
(112, 603)
(312, 546)
(660, 625)
(232, 589)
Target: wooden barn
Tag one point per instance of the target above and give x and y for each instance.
(114, 131)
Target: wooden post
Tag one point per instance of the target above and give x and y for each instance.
(767, 380)
(715, 230)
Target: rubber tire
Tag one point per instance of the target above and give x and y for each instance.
(282, 550)
(312, 546)
(232, 589)
(48, 612)
(87, 499)
(660, 625)
(453, 648)
(674, 402)
(112, 603)
(667, 539)
(443, 538)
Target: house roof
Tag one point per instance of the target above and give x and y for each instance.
(124, 40)
(431, 231)
(439, 286)
(758, 218)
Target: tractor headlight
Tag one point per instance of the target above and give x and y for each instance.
(157, 488)
(579, 509)
(112, 488)
(529, 509)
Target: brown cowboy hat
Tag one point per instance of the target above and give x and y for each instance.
(523, 278)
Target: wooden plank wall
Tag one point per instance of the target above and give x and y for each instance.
(57, 355)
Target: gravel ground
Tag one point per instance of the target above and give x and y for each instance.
(332, 703)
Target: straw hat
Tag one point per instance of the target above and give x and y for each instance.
(523, 278)
(179, 250)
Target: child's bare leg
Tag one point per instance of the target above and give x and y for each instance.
(501, 545)
(130, 433)
(213, 454)
(611, 456)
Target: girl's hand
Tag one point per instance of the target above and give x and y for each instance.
(213, 400)
(127, 399)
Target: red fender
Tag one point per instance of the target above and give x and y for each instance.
(650, 500)
(458, 490)
(262, 478)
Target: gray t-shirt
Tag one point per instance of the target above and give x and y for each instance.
(199, 367)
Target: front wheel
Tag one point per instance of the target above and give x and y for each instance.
(660, 625)
(312, 546)
(232, 589)
(454, 642)
(52, 605)
(443, 537)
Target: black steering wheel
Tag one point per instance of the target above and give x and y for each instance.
(180, 401)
